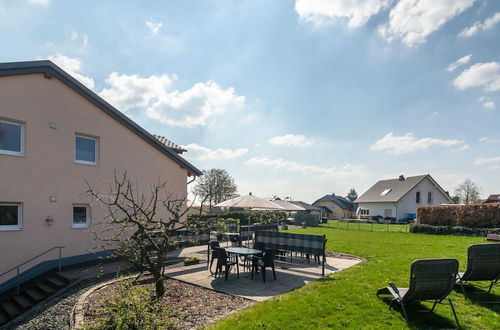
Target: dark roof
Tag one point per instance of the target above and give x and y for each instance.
(308, 207)
(495, 198)
(49, 69)
(175, 147)
(340, 201)
(396, 189)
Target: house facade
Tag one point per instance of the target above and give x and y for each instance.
(56, 135)
(494, 198)
(336, 207)
(398, 199)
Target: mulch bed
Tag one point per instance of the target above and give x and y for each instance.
(191, 306)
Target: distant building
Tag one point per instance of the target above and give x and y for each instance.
(398, 199)
(336, 207)
(493, 199)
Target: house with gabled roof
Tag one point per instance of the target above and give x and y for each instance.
(494, 198)
(398, 199)
(56, 135)
(336, 207)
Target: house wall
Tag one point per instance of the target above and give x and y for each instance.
(378, 208)
(338, 212)
(48, 167)
(408, 203)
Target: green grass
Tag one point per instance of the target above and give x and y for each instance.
(347, 299)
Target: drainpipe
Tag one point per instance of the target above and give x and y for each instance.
(194, 178)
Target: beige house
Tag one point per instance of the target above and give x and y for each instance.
(54, 134)
(336, 207)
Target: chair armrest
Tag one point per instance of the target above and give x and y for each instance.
(395, 288)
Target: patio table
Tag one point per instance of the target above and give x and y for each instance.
(244, 252)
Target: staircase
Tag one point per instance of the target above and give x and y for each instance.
(32, 293)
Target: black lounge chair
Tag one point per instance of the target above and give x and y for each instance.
(267, 260)
(430, 280)
(483, 264)
(223, 261)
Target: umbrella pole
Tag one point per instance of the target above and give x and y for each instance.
(249, 216)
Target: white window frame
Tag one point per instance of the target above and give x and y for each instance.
(80, 225)
(10, 152)
(418, 197)
(96, 139)
(19, 225)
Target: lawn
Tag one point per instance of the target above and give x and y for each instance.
(348, 299)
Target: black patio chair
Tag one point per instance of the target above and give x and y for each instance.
(211, 253)
(430, 280)
(223, 261)
(483, 264)
(267, 260)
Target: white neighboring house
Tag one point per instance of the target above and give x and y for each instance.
(399, 198)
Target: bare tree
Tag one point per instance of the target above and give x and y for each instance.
(468, 192)
(352, 195)
(140, 227)
(215, 186)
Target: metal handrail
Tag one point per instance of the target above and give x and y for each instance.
(33, 258)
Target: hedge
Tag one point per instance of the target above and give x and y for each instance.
(452, 230)
(471, 216)
(256, 216)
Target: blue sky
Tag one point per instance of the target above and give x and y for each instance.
(293, 98)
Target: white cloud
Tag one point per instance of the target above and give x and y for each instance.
(486, 75)
(408, 143)
(39, 2)
(487, 103)
(486, 160)
(154, 26)
(459, 62)
(83, 38)
(489, 140)
(413, 21)
(73, 66)
(488, 24)
(435, 114)
(196, 151)
(356, 12)
(155, 94)
(342, 173)
(291, 140)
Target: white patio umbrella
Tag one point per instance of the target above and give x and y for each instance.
(287, 206)
(250, 202)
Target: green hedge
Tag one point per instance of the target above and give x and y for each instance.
(262, 217)
(452, 230)
(472, 216)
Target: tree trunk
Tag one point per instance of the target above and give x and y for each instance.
(159, 286)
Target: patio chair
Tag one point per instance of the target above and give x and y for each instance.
(267, 260)
(223, 261)
(483, 264)
(211, 252)
(430, 280)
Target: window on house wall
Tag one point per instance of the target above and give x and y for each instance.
(429, 198)
(365, 212)
(81, 216)
(10, 216)
(86, 150)
(11, 138)
(417, 197)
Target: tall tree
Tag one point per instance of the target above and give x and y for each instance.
(352, 195)
(215, 186)
(468, 192)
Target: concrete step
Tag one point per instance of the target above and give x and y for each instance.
(3, 318)
(45, 288)
(10, 308)
(55, 282)
(23, 301)
(35, 295)
(67, 277)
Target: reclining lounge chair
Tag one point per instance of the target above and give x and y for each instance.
(483, 264)
(430, 280)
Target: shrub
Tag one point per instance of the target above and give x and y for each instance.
(472, 216)
(452, 230)
(263, 217)
(134, 308)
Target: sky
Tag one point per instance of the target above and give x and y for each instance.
(293, 98)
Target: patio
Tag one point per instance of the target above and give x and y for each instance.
(288, 276)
